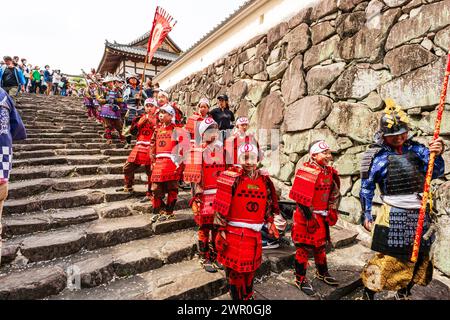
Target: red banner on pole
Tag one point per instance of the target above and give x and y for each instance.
(162, 25)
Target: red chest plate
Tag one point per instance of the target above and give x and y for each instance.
(165, 142)
(322, 190)
(146, 131)
(192, 123)
(249, 201)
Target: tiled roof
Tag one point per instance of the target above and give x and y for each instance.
(147, 34)
(163, 55)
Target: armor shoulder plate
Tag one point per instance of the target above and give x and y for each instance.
(304, 185)
(367, 159)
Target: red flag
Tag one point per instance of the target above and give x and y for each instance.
(162, 25)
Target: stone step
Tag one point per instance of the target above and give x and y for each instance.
(100, 233)
(32, 284)
(36, 125)
(72, 199)
(43, 221)
(44, 153)
(70, 160)
(66, 141)
(91, 269)
(74, 135)
(29, 188)
(281, 286)
(181, 281)
(68, 199)
(59, 130)
(55, 171)
(17, 148)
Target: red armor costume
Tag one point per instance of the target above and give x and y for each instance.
(140, 155)
(316, 191)
(202, 170)
(192, 125)
(167, 166)
(233, 143)
(243, 204)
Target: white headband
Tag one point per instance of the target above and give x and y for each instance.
(247, 148)
(319, 147)
(242, 120)
(205, 124)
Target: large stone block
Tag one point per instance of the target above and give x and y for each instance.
(320, 77)
(322, 31)
(357, 82)
(351, 207)
(408, 57)
(324, 8)
(349, 24)
(299, 142)
(321, 52)
(368, 42)
(255, 66)
(302, 17)
(238, 91)
(298, 40)
(427, 123)
(307, 113)
(347, 5)
(442, 249)
(358, 117)
(430, 18)
(276, 34)
(257, 90)
(270, 112)
(348, 164)
(293, 85)
(442, 38)
(418, 88)
(277, 70)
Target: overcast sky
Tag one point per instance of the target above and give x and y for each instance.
(70, 35)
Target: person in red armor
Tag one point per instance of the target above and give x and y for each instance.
(167, 162)
(205, 164)
(239, 137)
(316, 192)
(143, 126)
(246, 200)
(163, 99)
(194, 120)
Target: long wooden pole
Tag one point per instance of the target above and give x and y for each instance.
(148, 50)
(426, 189)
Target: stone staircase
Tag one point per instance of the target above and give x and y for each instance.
(67, 234)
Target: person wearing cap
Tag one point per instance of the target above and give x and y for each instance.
(316, 190)
(110, 110)
(167, 162)
(132, 96)
(204, 165)
(239, 137)
(143, 127)
(11, 77)
(397, 164)
(246, 200)
(194, 120)
(223, 116)
(90, 94)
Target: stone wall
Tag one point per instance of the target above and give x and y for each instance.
(325, 73)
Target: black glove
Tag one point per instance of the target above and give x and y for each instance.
(306, 211)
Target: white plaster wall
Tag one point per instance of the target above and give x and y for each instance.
(274, 11)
